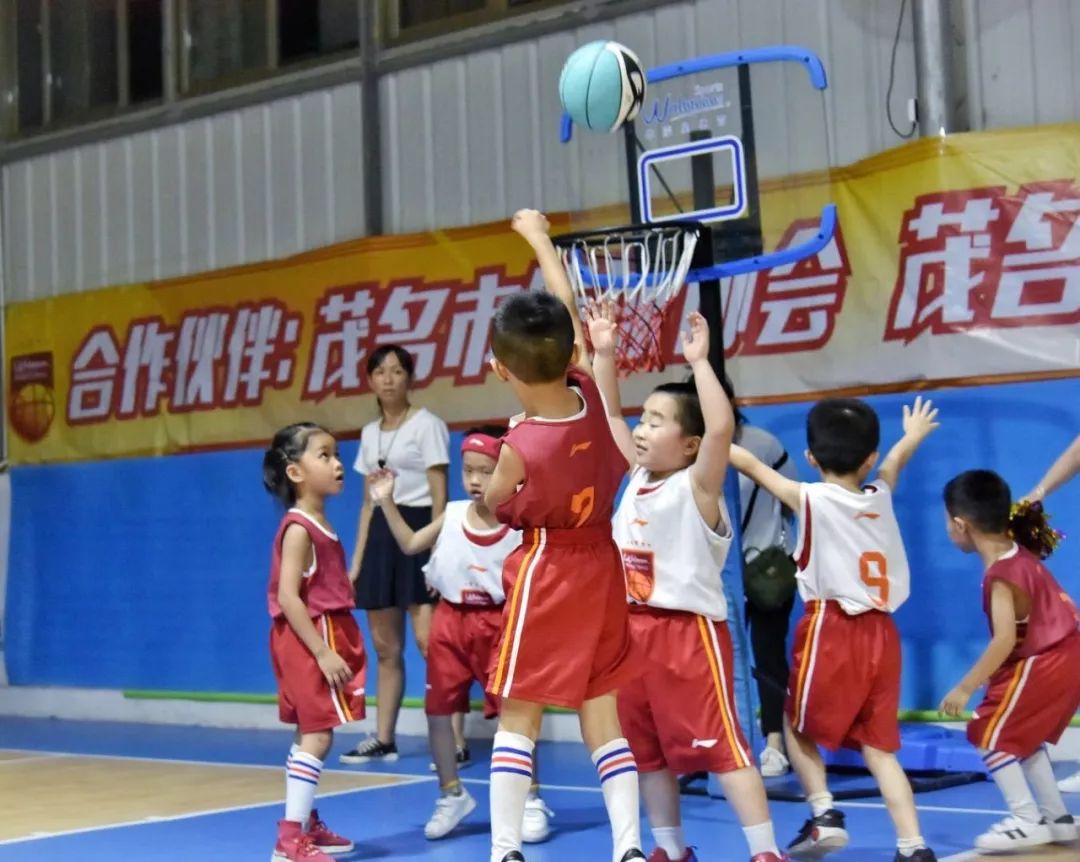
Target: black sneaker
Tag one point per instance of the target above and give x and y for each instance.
(371, 749)
(513, 856)
(632, 853)
(819, 836)
(923, 854)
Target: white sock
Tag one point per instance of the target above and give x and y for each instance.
(618, 773)
(1040, 778)
(908, 846)
(1009, 777)
(301, 782)
(820, 803)
(511, 778)
(761, 838)
(670, 840)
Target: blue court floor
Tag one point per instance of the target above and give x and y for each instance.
(385, 821)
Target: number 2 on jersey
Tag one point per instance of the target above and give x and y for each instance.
(874, 572)
(581, 504)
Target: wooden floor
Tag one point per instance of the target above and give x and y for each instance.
(1037, 854)
(64, 792)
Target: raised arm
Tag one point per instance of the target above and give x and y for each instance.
(409, 540)
(1061, 471)
(708, 470)
(784, 489)
(918, 423)
(533, 227)
(603, 333)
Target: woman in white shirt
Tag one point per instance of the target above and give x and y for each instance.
(414, 443)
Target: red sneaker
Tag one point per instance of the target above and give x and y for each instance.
(660, 855)
(295, 845)
(770, 857)
(324, 838)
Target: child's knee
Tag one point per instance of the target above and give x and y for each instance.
(317, 743)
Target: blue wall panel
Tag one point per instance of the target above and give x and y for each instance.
(151, 573)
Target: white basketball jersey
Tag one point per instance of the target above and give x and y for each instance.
(466, 564)
(672, 557)
(850, 549)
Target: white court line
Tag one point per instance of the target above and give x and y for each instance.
(146, 821)
(28, 759)
(944, 809)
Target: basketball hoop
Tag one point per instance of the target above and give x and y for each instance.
(640, 269)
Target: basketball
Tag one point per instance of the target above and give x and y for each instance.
(602, 86)
(32, 410)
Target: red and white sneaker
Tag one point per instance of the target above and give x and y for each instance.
(295, 845)
(770, 857)
(660, 855)
(324, 838)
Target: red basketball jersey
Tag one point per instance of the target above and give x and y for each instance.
(573, 467)
(326, 585)
(1053, 615)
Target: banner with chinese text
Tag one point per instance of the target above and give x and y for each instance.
(955, 258)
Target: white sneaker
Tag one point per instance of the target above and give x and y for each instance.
(449, 812)
(535, 827)
(1070, 784)
(1063, 830)
(773, 763)
(1012, 833)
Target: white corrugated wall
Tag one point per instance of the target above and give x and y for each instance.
(470, 139)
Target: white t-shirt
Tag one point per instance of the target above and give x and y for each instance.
(767, 526)
(672, 558)
(422, 442)
(466, 565)
(850, 549)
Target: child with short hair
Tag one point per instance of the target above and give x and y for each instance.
(673, 530)
(844, 688)
(1030, 665)
(565, 639)
(315, 645)
(468, 548)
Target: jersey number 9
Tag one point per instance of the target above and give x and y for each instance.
(874, 572)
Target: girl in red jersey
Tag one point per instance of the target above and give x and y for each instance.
(1029, 666)
(315, 645)
(673, 531)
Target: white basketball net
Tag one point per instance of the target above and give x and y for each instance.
(640, 271)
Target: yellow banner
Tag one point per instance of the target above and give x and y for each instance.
(954, 258)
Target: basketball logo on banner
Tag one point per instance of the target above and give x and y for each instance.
(31, 405)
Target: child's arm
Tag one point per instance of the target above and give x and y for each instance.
(603, 334)
(708, 470)
(1062, 470)
(410, 541)
(918, 423)
(296, 552)
(784, 489)
(1003, 618)
(533, 227)
(509, 473)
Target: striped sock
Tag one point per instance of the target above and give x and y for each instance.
(1008, 775)
(618, 773)
(1040, 778)
(301, 782)
(511, 778)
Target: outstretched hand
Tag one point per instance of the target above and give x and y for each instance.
(600, 317)
(695, 338)
(919, 418)
(530, 223)
(381, 485)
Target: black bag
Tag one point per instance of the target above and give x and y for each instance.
(768, 573)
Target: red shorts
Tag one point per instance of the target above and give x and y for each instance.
(305, 698)
(461, 647)
(844, 688)
(565, 637)
(1029, 702)
(680, 714)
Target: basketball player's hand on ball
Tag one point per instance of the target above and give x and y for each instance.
(954, 702)
(530, 223)
(603, 333)
(919, 418)
(381, 486)
(333, 667)
(695, 339)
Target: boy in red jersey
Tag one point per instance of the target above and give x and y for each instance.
(315, 645)
(1030, 664)
(565, 638)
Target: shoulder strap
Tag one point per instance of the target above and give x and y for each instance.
(776, 465)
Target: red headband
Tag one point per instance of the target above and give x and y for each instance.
(482, 444)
